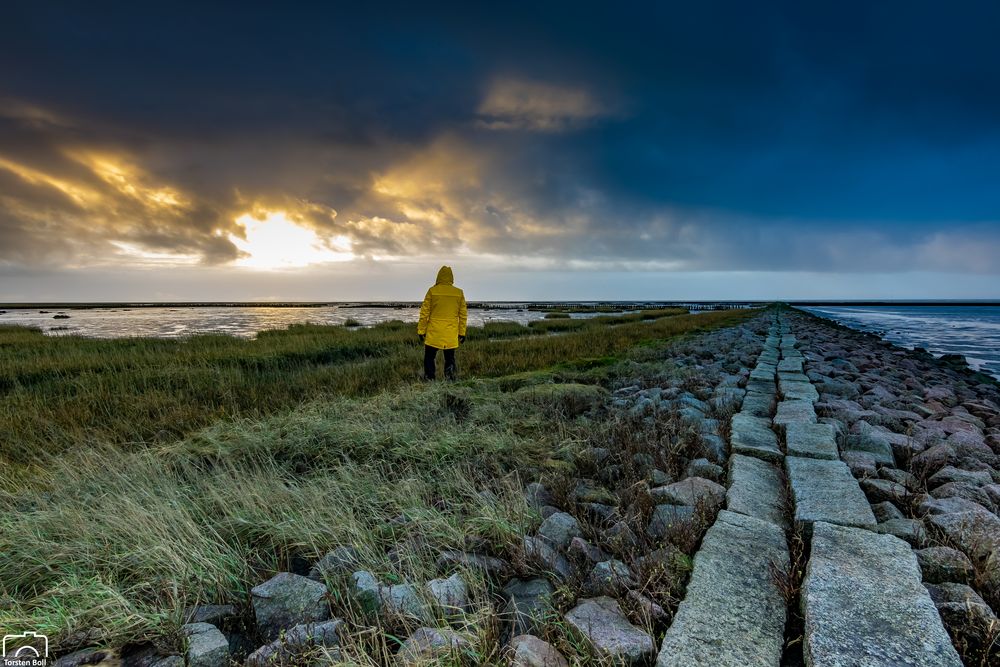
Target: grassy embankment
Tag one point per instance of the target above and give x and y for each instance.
(177, 472)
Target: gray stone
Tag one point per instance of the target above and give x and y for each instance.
(753, 436)
(537, 495)
(659, 478)
(287, 600)
(825, 491)
(581, 550)
(909, 530)
(530, 651)
(864, 604)
(872, 441)
(298, 640)
(206, 645)
(608, 578)
(790, 366)
(432, 645)
(403, 601)
(794, 410)
(815, 441)
(340, 562)
(966, 490)
(960, 606)
(733, 613)
(451, 594)
(529, 603)
(797, 391)
(909, 482)
(881, 490)
(691, 491)
(621, 537)
(601, 621)
(930, 505)
(542, 554)
(560, 529)
(951, 474)
(861, 464)
(977, 533)
(704, 468)
(714, 446)
(886, 511)
(667, 518)
(756, 489)
(756, 404)
(586, 491)
(942, 564)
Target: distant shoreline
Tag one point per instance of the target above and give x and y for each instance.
(624, 305)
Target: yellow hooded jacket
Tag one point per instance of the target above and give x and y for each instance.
(443, 313)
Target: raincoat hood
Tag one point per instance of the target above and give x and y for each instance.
(445, 276)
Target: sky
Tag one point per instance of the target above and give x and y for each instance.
(319, 151)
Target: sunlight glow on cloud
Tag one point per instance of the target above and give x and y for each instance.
(518, 104)
(273, 241)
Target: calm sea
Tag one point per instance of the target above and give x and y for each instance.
(972, 331)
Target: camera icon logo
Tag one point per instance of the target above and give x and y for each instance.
(28, 649)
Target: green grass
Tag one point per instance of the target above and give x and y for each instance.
(63, 392)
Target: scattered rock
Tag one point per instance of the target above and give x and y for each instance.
(530, 651)
(691, 491)
(287, 600)
(943, 564)
(667, 518)
(882, 490)
(206, 645)
(960, 606)
(886, 511)
(296, 641)
(705, 469)
(451, 594)
(608, 578)
(339, 562)
(529, 603)
(601, 621)
(560, 529)
(539, 552)
(432, 645)
(908, 530)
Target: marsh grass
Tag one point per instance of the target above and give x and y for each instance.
(62, 392)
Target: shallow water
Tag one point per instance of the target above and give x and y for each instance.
(237, 321)
(972, 331)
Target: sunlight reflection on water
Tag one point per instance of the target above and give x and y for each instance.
(119, 322)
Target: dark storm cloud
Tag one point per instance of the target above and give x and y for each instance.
(707, 136)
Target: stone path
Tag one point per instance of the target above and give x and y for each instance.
(862, 599)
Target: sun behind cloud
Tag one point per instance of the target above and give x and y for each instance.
(273, 241)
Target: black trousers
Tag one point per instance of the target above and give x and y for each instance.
(430, 361)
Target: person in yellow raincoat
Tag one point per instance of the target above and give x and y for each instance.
(442, 323)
